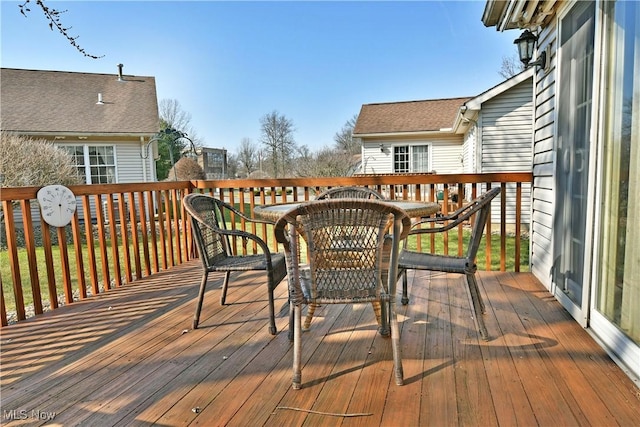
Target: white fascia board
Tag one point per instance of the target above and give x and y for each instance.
(81, 136)
(402, 134)
(471, 108)
(516, 16)
(493, 11)
(476, 103)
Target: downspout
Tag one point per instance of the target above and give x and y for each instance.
(144, 161)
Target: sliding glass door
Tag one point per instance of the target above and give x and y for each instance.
(572, 150)
(616, 318)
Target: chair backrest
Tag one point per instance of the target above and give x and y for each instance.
(350, 192)
(481, 205)
(346, 248)
(207, 218)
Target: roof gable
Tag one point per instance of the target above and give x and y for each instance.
(67, 102)
(476, 102)
(411, 116)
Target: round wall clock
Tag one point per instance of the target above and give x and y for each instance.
(57, 203)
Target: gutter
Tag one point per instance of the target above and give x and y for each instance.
(403, 134)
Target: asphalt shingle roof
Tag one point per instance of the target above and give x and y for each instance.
(66, 102)
(409, 116)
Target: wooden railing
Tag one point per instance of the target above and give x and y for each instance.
(122, 232)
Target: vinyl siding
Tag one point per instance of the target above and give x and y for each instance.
(543, 165)
(469, 150)
(506, 122)
(445, 154)
(130, 163)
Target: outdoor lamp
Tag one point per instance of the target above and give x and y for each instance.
(526, 44)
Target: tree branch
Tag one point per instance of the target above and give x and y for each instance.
(53, 16)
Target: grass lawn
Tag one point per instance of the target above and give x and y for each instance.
(7, 281)
(7, 278)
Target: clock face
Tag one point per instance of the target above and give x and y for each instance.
(58, 204)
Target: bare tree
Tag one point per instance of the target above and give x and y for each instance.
(277, 136)
(232, 166)
(326, 162)
(344, 138)
(176, 132)
(511, 66)
(28, 162)
(173, 115)
(248, 156)
(53, 16)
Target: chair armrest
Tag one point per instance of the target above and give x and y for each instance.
(245, 217)
(241, 234)
(416, 229)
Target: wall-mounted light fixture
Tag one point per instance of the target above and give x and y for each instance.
(526, 44)
(381, 148)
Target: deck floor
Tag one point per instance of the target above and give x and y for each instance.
(129, 357)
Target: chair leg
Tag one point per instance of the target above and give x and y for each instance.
(203, 286)
(311, 309)
(297, 347)
(405, 293)
(478, 305)
(225, 285)
(382, 317)
(477, 290)
(272, 311)
(395, 343)
(291, 321)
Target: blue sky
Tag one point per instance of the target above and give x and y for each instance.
(230, 63)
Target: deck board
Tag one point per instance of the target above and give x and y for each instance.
(129, 357)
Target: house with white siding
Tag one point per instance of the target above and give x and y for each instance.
(497, 136)
(585, 228)
(491, 132)
(411, 136)
(105, 121)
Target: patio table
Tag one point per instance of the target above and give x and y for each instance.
(415, 209)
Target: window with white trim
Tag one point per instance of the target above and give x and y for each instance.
(411, 158)
(95, 164)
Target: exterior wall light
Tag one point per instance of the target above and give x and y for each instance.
(381, 148)
(526, 44)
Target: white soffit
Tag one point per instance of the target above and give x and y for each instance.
(517, 13)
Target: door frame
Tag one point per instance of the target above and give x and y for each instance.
(581, 313)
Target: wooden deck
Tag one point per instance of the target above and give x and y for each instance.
(129, 357)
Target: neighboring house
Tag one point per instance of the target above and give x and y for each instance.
(585, 232)
(213, 162)
(104, 120)
(412, 136)
(491, 132)
(497, 128)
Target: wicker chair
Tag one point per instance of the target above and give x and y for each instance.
(349, 192)
(212, 236)
(342, 193)
(411, 260)
(345, 249)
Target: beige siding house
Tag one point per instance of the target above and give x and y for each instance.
(491, 132)
(104, 120)
(412, 136)
(585, 234)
